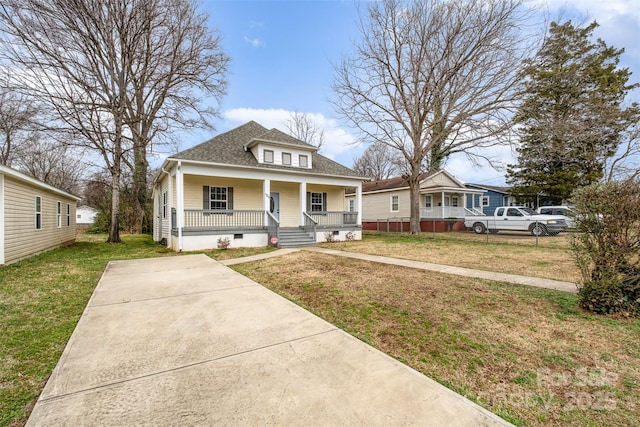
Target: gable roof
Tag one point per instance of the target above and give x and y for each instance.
(231, 148)
(401, 182)
(5, 170)
(497, 189)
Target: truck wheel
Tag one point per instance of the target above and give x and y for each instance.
(538, 230)
(479, 228)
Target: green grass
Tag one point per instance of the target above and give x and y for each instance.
(41, 300)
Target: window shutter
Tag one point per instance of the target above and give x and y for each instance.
(324, 202)
(308, 201)
(206, 198)
(230, 198)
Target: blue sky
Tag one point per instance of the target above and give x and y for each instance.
(282, 54)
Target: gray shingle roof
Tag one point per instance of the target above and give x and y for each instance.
(228, 148)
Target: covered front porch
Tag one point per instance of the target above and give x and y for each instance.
(254, 211)
(443, 203)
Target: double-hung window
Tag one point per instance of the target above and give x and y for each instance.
(165, 197)
(68, 215)
(303, 160)
(395, 203)
(485, 201)
(217, 198)
(428, 201)
(317, 202)
(59, 214)
(38, 213)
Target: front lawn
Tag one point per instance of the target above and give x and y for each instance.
(514, 254)
(527, 354)
(41, 300)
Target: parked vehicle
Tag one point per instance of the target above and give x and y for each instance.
(564, 211)
(517, 218)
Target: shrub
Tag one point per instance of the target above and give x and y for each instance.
(350, 236)
(329, 237)
(223, 243)
(606, 246)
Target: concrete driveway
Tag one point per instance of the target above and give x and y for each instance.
(187, 341)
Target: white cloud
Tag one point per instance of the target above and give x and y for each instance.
(254, 42)
(338, 142)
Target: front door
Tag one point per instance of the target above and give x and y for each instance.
(274, 205)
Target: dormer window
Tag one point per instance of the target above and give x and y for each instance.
(268, 156)
(304, 161)
(286, 159)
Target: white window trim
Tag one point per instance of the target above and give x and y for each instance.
(352, 205)
(428, 201)
(38, 213)
(59, 213)
(68, 214)
(165, 197)
(312, 203)
(455, 201)
(306, 160)
(484, 201)
(397, 197)
(225, 201)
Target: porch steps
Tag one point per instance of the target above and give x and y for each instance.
(295, 237)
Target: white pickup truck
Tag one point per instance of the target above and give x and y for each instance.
(516, 218)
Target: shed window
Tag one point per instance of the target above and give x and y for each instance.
(268, 156)
(304, 161)
(395, 203)
(38, 213)
(217, 198)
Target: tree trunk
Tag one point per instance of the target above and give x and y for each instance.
(114, 227)
(414, 201)
(139, 186)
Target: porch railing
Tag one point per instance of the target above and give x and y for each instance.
(442, 212)
(198, 219)
(326, 218)
(309, 224)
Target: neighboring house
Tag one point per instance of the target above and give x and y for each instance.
(254, 187)
(442, 197)
(491, 198)
(34, 216)
(85, 215)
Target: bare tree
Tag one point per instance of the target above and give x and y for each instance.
(303, 127)
(56, 164)
(17, 115)
(626, 163)
(379, 161)
(129, 70)
(431, 78)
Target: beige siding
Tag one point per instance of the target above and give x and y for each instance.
(289, 202)
(247, 193)
(439, 180)
(21, 237)
(335, 196)
(378, 205)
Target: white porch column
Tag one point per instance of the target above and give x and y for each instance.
(169, 207)
(359, 204)
(266, 200)
(303, 201)
(180, 203)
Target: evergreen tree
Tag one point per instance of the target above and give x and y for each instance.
(572, 117)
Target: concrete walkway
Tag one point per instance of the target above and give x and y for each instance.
(459, 271)
(187, 341)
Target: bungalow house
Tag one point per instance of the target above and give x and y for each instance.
(491, 198)
(252, 186)
(442, 198)
(34, 216)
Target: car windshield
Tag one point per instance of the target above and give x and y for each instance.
(528, 211)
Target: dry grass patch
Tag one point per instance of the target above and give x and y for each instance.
(527, 354)
(524, 259)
